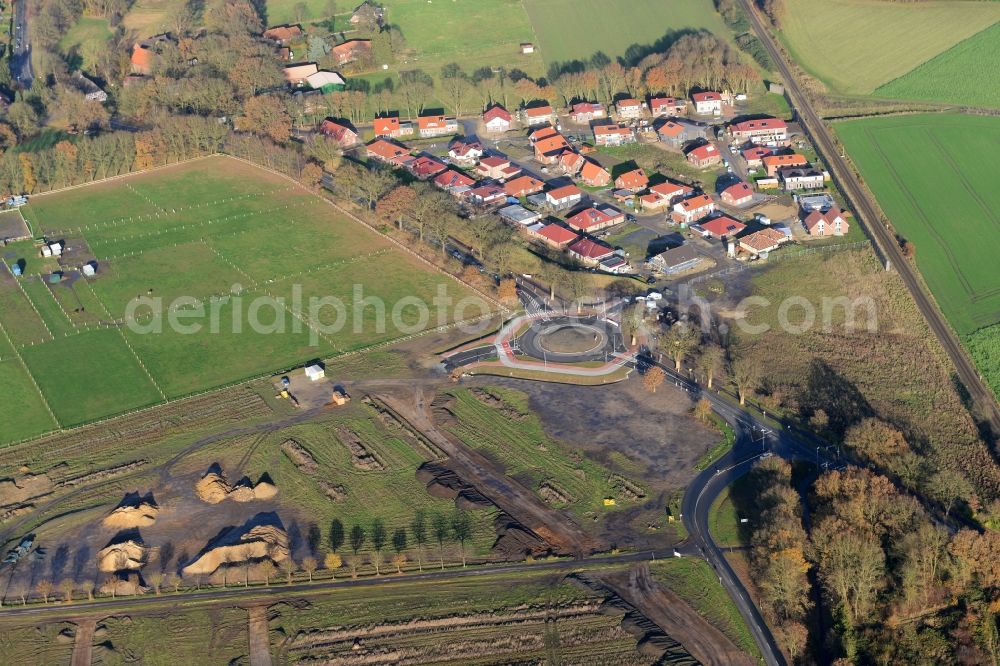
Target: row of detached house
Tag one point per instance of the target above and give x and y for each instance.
(488, 180)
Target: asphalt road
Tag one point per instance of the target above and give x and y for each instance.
(271, 594)
(866, 210)
(20, 60)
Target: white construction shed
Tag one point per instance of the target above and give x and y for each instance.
(315, 372)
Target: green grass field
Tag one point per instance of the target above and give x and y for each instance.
(967, 73)
(243, 246)
(150, 17)
(89, 375)
(86, 38)
(473, 33)
(855, 46)
(984, 346)
(576, 29)
(930, 175)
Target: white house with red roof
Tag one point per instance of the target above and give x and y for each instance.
(436, 125)
(613, 135)
(593, 174)
(497, 167)
(761, 131)
(564, 197)
(390, 126)
(633, 181)
(707, 103)
(829, 223)
(667, 106)
(557, 235)
(753, 156)
(522, 186)
(583, 112)
(465, 152)
(591, 219)
(722, 227)
(486, 195)
(388, 152)
(693, 209)
(629, 109)
(454, 182)
(497, 119)
(341, 132)
(539, 115)
(737, 194)
(426, 166)
(590, 251)
(704, 156)
(663, 196)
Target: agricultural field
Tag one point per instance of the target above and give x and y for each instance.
(621, 24)
(984, 346)
(844, 42)
(200, 237)
(964, 74)
(473, 33)
(927, 174)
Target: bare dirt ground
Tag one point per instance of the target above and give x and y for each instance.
(12, 225)
(642, 436)
(83, 644)
(705, 643)
(260, 645)
(510, 496)
(654, 430)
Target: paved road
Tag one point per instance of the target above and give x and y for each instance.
(272, 594)
(866, 210)
(20, 60)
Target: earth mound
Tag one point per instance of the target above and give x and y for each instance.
(214, 487)
(128, 555)
(134, 511)
(258, 543)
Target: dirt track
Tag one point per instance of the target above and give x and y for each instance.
(510, 496)
(672, 614)
(260, 642)
(84, 644)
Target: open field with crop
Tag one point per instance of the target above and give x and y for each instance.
(964, 74)
(621, 24)
(847, 44)
(249, 250)
(984, 346)
(928, 175)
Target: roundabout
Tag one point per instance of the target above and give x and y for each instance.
(565, 339)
